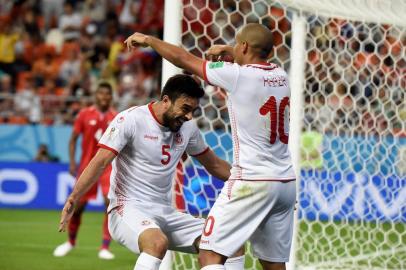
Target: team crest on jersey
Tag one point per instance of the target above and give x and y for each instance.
(120, 119)
(112, 132)
(178, 138)
(92, 122)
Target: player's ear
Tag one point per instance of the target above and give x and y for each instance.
(244, 47)
(166, 101)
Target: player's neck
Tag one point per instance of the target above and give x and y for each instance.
(158, 111)
(102, 109)
(253, 60)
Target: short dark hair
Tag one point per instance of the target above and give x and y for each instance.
(181, 84)
(105, 85)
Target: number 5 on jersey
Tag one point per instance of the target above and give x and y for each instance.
(167, 155)
(277, 118)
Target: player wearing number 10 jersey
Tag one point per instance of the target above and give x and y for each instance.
(257, 203)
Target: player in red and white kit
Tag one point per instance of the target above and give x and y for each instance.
(257, 203)
(90, 123)
(146, 144)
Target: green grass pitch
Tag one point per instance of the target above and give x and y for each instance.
(28, 238)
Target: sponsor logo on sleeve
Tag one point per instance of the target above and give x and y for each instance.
(216, 65)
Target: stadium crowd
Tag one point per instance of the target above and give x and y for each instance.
(53, 53)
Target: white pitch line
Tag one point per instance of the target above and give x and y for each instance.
(44, 246)
(359, 257)
(23, 223)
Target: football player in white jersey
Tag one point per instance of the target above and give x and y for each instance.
(145, 145)
(257, 203)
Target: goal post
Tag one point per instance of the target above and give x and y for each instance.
(172, 34)
(346, 65)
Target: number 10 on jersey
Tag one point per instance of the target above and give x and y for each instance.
(277, 118)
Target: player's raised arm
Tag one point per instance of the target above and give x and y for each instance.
(219, 52)
(89, 176)
(218, 74)
(174, 54)
(214, 165)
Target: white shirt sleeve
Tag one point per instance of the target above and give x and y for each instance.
(222, 74)
(196, 145)
(119, 133)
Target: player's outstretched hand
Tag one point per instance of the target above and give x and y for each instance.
(136, 39)
(218, 52)
(67, 213)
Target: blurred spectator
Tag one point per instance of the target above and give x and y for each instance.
(6, 86)
(8, 39)
(5, 7)
(128, 13)
(51, 9)
(30, 23)
(43, 155)
(70, 68)
(28, 103)
(94, 11)
(137, 16)
(46, 68)
(70, 22)
(6, 104)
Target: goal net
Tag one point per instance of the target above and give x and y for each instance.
(351, 110)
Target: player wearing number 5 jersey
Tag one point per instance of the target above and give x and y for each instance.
(257, 203)
(146, 144)
(90, 123)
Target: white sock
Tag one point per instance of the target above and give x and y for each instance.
(235, 263)
(147, 262)
(166, 263)
(213, 267)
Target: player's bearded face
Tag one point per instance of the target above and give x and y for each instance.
(179, 112)
(172, 120)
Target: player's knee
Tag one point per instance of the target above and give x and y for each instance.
(160, 244)
(155, 244)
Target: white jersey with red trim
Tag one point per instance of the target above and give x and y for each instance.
(147, 155)
(258, 105)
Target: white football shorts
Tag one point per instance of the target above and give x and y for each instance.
(181, 229)
(258, 211)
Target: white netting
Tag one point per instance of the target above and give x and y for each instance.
(352, 195)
